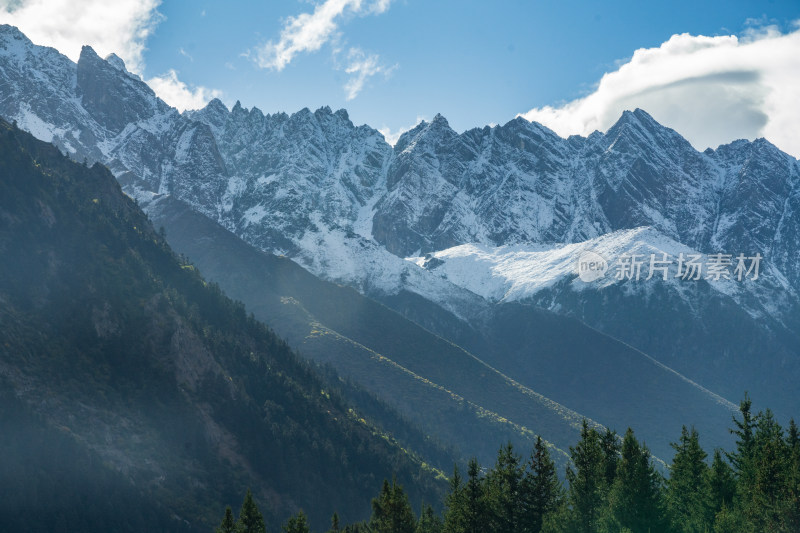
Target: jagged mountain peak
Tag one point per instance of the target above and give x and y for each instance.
(239, 109)
(322, 122)
(439, 120)
(113, 97)
(88, 54)
(407, 136)
(530, 130)
(639, 126)
(343, 114)
(435, 132)
(115, 61)
(215, 114)
(737, 144)
(7, 31)
(596, 134)
(17, 48)
(763, 145)
(640, 114)
(637, 119)
(743, 149)
(325, 113)
(256, 112)
(637, 135)
(519, 122)
(216, 105)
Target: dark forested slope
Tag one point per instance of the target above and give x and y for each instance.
(127, 378)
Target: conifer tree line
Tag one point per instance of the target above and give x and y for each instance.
(612, 486)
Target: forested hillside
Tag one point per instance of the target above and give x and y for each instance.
(612, 486)
(130, 380)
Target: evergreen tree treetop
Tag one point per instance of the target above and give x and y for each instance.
(250, 518)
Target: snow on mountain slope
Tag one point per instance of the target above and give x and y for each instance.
(519, 272)
(343, 257)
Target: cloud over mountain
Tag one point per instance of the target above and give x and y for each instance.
(711, 89)
(121, 27)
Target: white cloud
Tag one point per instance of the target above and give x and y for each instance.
(712, 90)
(178, 94)
(361, 67)
(393, 136)
(308, 32)
(379, 6)
(120, 26)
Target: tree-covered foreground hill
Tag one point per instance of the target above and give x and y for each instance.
(134, 396)
(612, 486)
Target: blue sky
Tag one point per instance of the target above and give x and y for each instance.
(476, 62)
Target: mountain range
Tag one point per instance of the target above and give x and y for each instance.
(439, 273)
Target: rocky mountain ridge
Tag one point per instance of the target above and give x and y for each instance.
(265, 176)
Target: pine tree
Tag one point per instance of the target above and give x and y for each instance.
(793, 504)
(381, 508)
(475, 512)
(767, 502)
(793, 438)
(455, 519)
(742, 460)
(541, 489)
(504, 482)
(297, 523)
(391, 511)
(611, 450)
(228, 524)
(250, 518)
(687, 497)
(744, 432)
(586, 480)
(636, 496)
(720, 484)
(334, 523)
(429, 521)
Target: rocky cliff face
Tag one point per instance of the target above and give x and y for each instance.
(111, 95)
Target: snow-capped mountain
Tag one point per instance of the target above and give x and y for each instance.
(520, 272)
(521, 183)
(501, 210)
(267, 176)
